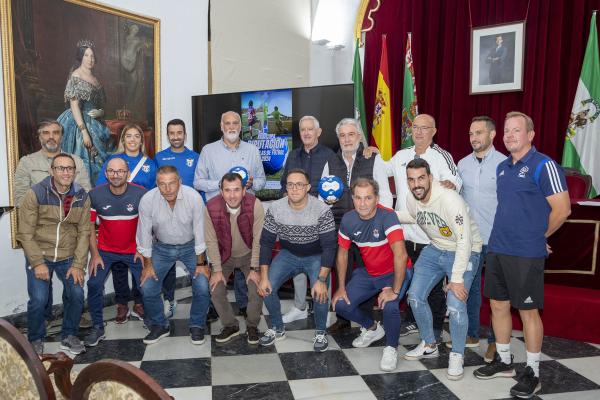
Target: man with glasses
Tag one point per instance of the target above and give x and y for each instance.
(35, 167)
(305, 228)
(114, 207)
(443, 170)
(54, 230)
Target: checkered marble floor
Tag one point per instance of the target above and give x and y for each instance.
(570, 370)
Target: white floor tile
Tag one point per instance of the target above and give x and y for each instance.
(178, 347)
(191, 393)
(470, 387)
(588, 367)
(246, 369)
(366, 360)
(342, 388)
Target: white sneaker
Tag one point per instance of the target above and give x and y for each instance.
(389, 359)
(294, 315)
(169, 308)
(367, 336)
(422, 351)
(455, 366)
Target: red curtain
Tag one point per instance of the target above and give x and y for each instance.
(555, 37)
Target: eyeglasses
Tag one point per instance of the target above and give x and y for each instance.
(60, 168)
(116, 171)
(416, 128)
(296, 185)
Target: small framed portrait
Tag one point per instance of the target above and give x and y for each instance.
(497, 54)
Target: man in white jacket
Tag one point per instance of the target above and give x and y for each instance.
(454, 252)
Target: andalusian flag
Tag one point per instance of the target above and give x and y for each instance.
(582, 144)
(359, 97)
(409, 96)
(382, 118)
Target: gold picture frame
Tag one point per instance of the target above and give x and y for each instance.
(39, 42)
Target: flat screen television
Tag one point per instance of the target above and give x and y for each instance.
(271, 117)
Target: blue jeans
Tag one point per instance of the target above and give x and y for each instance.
(96, 283)
(362, 287)
(163, 257)
(285, 266)
(38, 291)
(433, 264)
(48, 314)
(120, 277)
(474, 300)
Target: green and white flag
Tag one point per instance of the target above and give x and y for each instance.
(359, 98)
(409, 96)
(582, 144)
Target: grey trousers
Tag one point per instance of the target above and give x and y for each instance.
(219, 295)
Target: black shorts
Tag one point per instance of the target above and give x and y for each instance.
(518, 279)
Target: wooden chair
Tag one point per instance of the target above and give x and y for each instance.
(114, 380)
(23, 376)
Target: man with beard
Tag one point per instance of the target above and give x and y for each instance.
(217, 158)
(478, 173)
(453, 252)
(114, 206)
(185, 160)
(35, 167)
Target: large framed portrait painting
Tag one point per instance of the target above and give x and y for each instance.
(85, 65)
(497, 53)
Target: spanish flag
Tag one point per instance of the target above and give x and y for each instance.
(382, 117)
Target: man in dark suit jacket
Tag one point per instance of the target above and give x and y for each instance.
(496, 59)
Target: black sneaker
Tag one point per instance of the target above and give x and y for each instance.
(94, 337)
(252, 333)
(409, 329)
(496, 369)
(72, 344)
(228, 333)
(197, 335)
(527, 384)
(156, 333)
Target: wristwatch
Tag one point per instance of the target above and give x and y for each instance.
(323, 279)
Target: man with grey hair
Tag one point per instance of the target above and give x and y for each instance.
(217, 158)
(310, 157)
(349, 164)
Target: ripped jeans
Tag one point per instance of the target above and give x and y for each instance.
(431, 266)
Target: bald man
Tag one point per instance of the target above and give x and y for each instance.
(443, 170)
(115, 209)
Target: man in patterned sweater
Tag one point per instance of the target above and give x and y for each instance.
(306, 232)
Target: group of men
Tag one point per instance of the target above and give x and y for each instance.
(447, 221)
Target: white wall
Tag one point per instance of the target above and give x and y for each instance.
(260, 44)
(183, 67)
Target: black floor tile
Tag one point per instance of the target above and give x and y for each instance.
(252, 391)
(471, 358)
(344, 339)
(557, 378)
(120, 349)
(179, 373)
(558, 348)
(408, 385)
(309, 365)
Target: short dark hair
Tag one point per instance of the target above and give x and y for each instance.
(231, 177)
(62, 155)
(176, 121)
(364, 182)
(490, 124)
(47, 122)
(419, 163)
(167, 169)
(299, 171)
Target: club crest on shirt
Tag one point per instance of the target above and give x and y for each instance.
(376, 233)
(129, 207)
(146, 168)
(445, 231)
(523, 171)
(189, 162)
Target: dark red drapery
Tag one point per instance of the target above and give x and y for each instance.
(555, 37)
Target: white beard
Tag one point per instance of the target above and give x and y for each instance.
(231, 137)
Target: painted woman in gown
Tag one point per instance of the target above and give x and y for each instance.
(84, 131)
